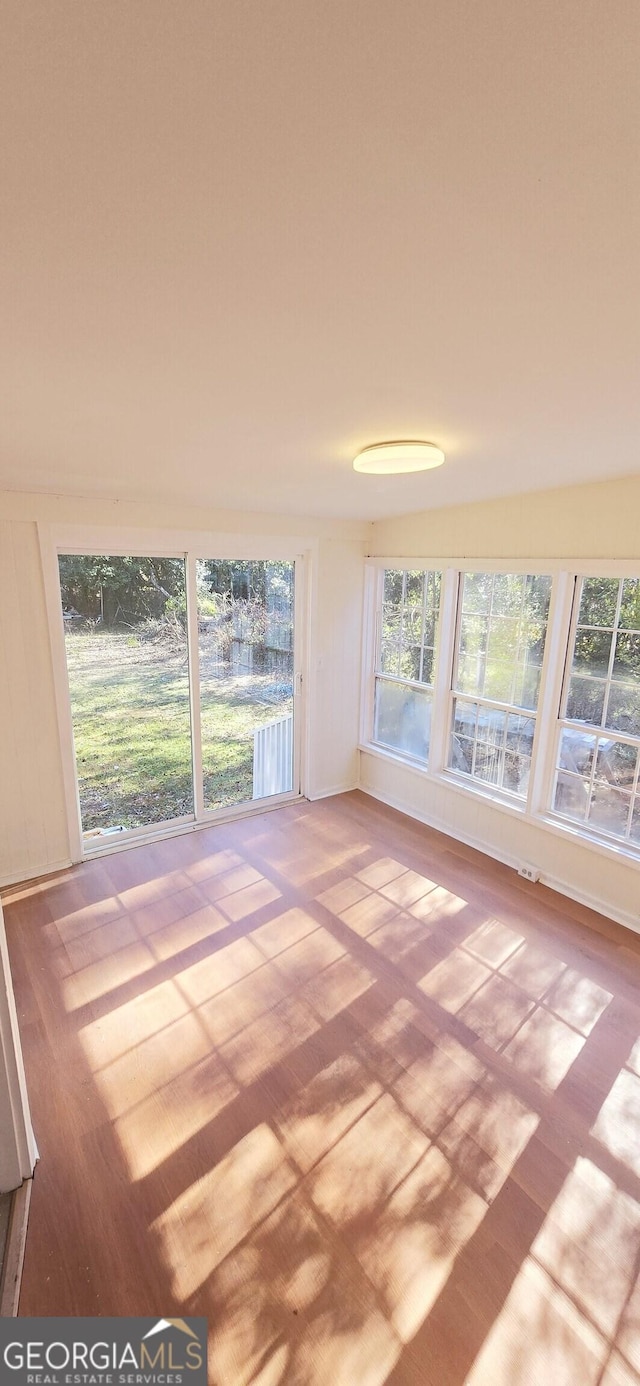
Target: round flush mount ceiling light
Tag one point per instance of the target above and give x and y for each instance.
(389, 459)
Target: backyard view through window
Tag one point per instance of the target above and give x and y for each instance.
(245, 639)
(405, 661)
(128, 667)
(127, 648)
(598, 764)
(503, 625)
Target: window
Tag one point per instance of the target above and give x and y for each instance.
(405, 657)
(476, 709)
(500, 647)
(598, 761)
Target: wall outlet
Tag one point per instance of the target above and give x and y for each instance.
(530, 873)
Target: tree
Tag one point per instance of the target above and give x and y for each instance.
(119, 589)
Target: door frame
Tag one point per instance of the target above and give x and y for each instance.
(189, 546)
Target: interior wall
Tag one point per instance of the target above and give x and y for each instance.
(18, 1152)
(595, 521)
(33, 824)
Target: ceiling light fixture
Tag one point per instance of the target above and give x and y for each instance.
(410, 455)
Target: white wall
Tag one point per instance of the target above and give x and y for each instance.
(600, 520)
(33, 824)
(17, 1145)
(33, 830)
(596, 521)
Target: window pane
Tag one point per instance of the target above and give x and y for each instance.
(403, 718)
(571, 796)
(393, 586)
(598, 601)
(623, 709)
(609, 810)
(464, 718)
(489, 764)
(630, 610)
(428, 658)
(626, 660)
(616, 763)
(592, 652)
(520, 732)
(577, 750)
(461, 754)
(586, 700)
(530, 684)
(478, 589)
(508, 591)
(517, 769)
(503, 639)
(414, 589)
(463, 735)
(410, 662)
(391, 641)
(412, 625)
(498, 683)
(491, 726)
(472, 655)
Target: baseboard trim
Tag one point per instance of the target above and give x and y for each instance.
(329, 793)
(628, 921)
(14, 1251)
(48, 869)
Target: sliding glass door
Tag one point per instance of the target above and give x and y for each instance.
(181, 676)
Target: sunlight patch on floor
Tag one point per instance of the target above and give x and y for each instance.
(166, 1120)
(105, 1039)
(618, 1122)
(572, 1315)
(412, 1248)
(204, 1224)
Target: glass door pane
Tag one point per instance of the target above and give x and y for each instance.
(246, 645)
(127, 659)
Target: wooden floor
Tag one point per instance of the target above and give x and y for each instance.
(359, 1095)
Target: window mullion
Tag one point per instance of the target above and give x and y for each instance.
(425, 577)
(443, 678)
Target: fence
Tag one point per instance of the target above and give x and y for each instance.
(273, 758)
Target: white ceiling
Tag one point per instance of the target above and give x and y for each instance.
(243, 238)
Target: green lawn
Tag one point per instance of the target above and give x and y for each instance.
(130, 706)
